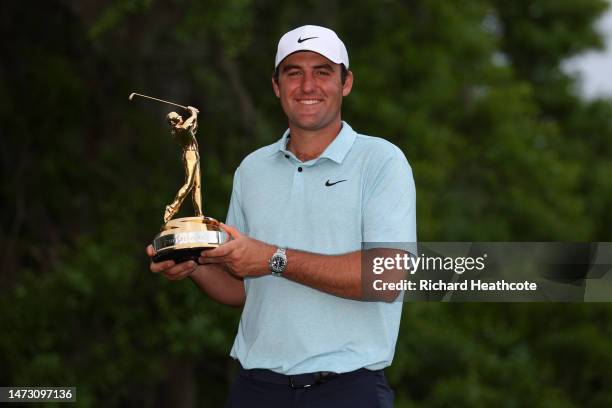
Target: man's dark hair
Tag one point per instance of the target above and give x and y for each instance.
(343, 74)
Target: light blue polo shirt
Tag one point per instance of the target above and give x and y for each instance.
(291, 328)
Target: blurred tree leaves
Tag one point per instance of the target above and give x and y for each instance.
(501, 146)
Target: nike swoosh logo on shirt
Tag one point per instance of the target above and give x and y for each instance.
(328, 184)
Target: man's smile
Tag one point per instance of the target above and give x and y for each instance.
(309, 101)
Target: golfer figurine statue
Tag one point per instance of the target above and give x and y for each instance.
(184, 132)
(183, 239)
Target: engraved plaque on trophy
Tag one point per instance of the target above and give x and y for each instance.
(183, 239)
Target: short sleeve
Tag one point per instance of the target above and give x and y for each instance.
(389, 206)
(235, 214)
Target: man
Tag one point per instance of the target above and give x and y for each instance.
(299, 212)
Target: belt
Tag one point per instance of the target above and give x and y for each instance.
(294, 381)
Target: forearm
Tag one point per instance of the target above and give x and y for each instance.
(219, 285)
(342, 275)
(338, 275)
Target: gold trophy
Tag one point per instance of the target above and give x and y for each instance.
(183, 239)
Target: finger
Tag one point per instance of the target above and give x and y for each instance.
(231, 231)
(215, 260)
(221, 250)
(150, 251)
(180, 275)
(227, 237)
(182, 267)
(157, 267)
(180, 271)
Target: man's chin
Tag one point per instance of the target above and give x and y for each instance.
(309, 126)
(311, 123)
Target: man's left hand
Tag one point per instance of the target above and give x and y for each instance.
(243, 256)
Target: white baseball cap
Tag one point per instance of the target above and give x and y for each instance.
(312, 38)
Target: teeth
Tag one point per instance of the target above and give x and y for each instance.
(309, 101)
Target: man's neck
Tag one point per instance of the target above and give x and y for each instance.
(309, 144)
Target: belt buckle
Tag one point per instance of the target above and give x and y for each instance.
(296, 386)
(319, 378)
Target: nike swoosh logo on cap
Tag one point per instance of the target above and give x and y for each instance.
(301, 40)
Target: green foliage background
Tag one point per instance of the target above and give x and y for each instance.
(501, 146)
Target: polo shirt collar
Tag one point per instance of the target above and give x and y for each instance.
(336, 150)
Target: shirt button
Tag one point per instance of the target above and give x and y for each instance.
(286, 156)
(300, 169)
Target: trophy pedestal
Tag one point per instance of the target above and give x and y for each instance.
(184, 239)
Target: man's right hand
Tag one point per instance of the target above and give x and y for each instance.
(169, 269)
(214, 280)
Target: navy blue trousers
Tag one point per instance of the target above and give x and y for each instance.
(358, 389)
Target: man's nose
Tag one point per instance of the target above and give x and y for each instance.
(308, 83)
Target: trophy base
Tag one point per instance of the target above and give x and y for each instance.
(184, 239)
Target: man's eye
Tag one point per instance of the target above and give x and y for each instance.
(293, 73)
(324, 73)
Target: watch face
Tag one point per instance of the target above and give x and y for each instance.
(278, 263)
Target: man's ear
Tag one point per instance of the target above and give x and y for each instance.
(348, 84)
(275, 87)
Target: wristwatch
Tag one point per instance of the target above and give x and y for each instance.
(278, 262)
